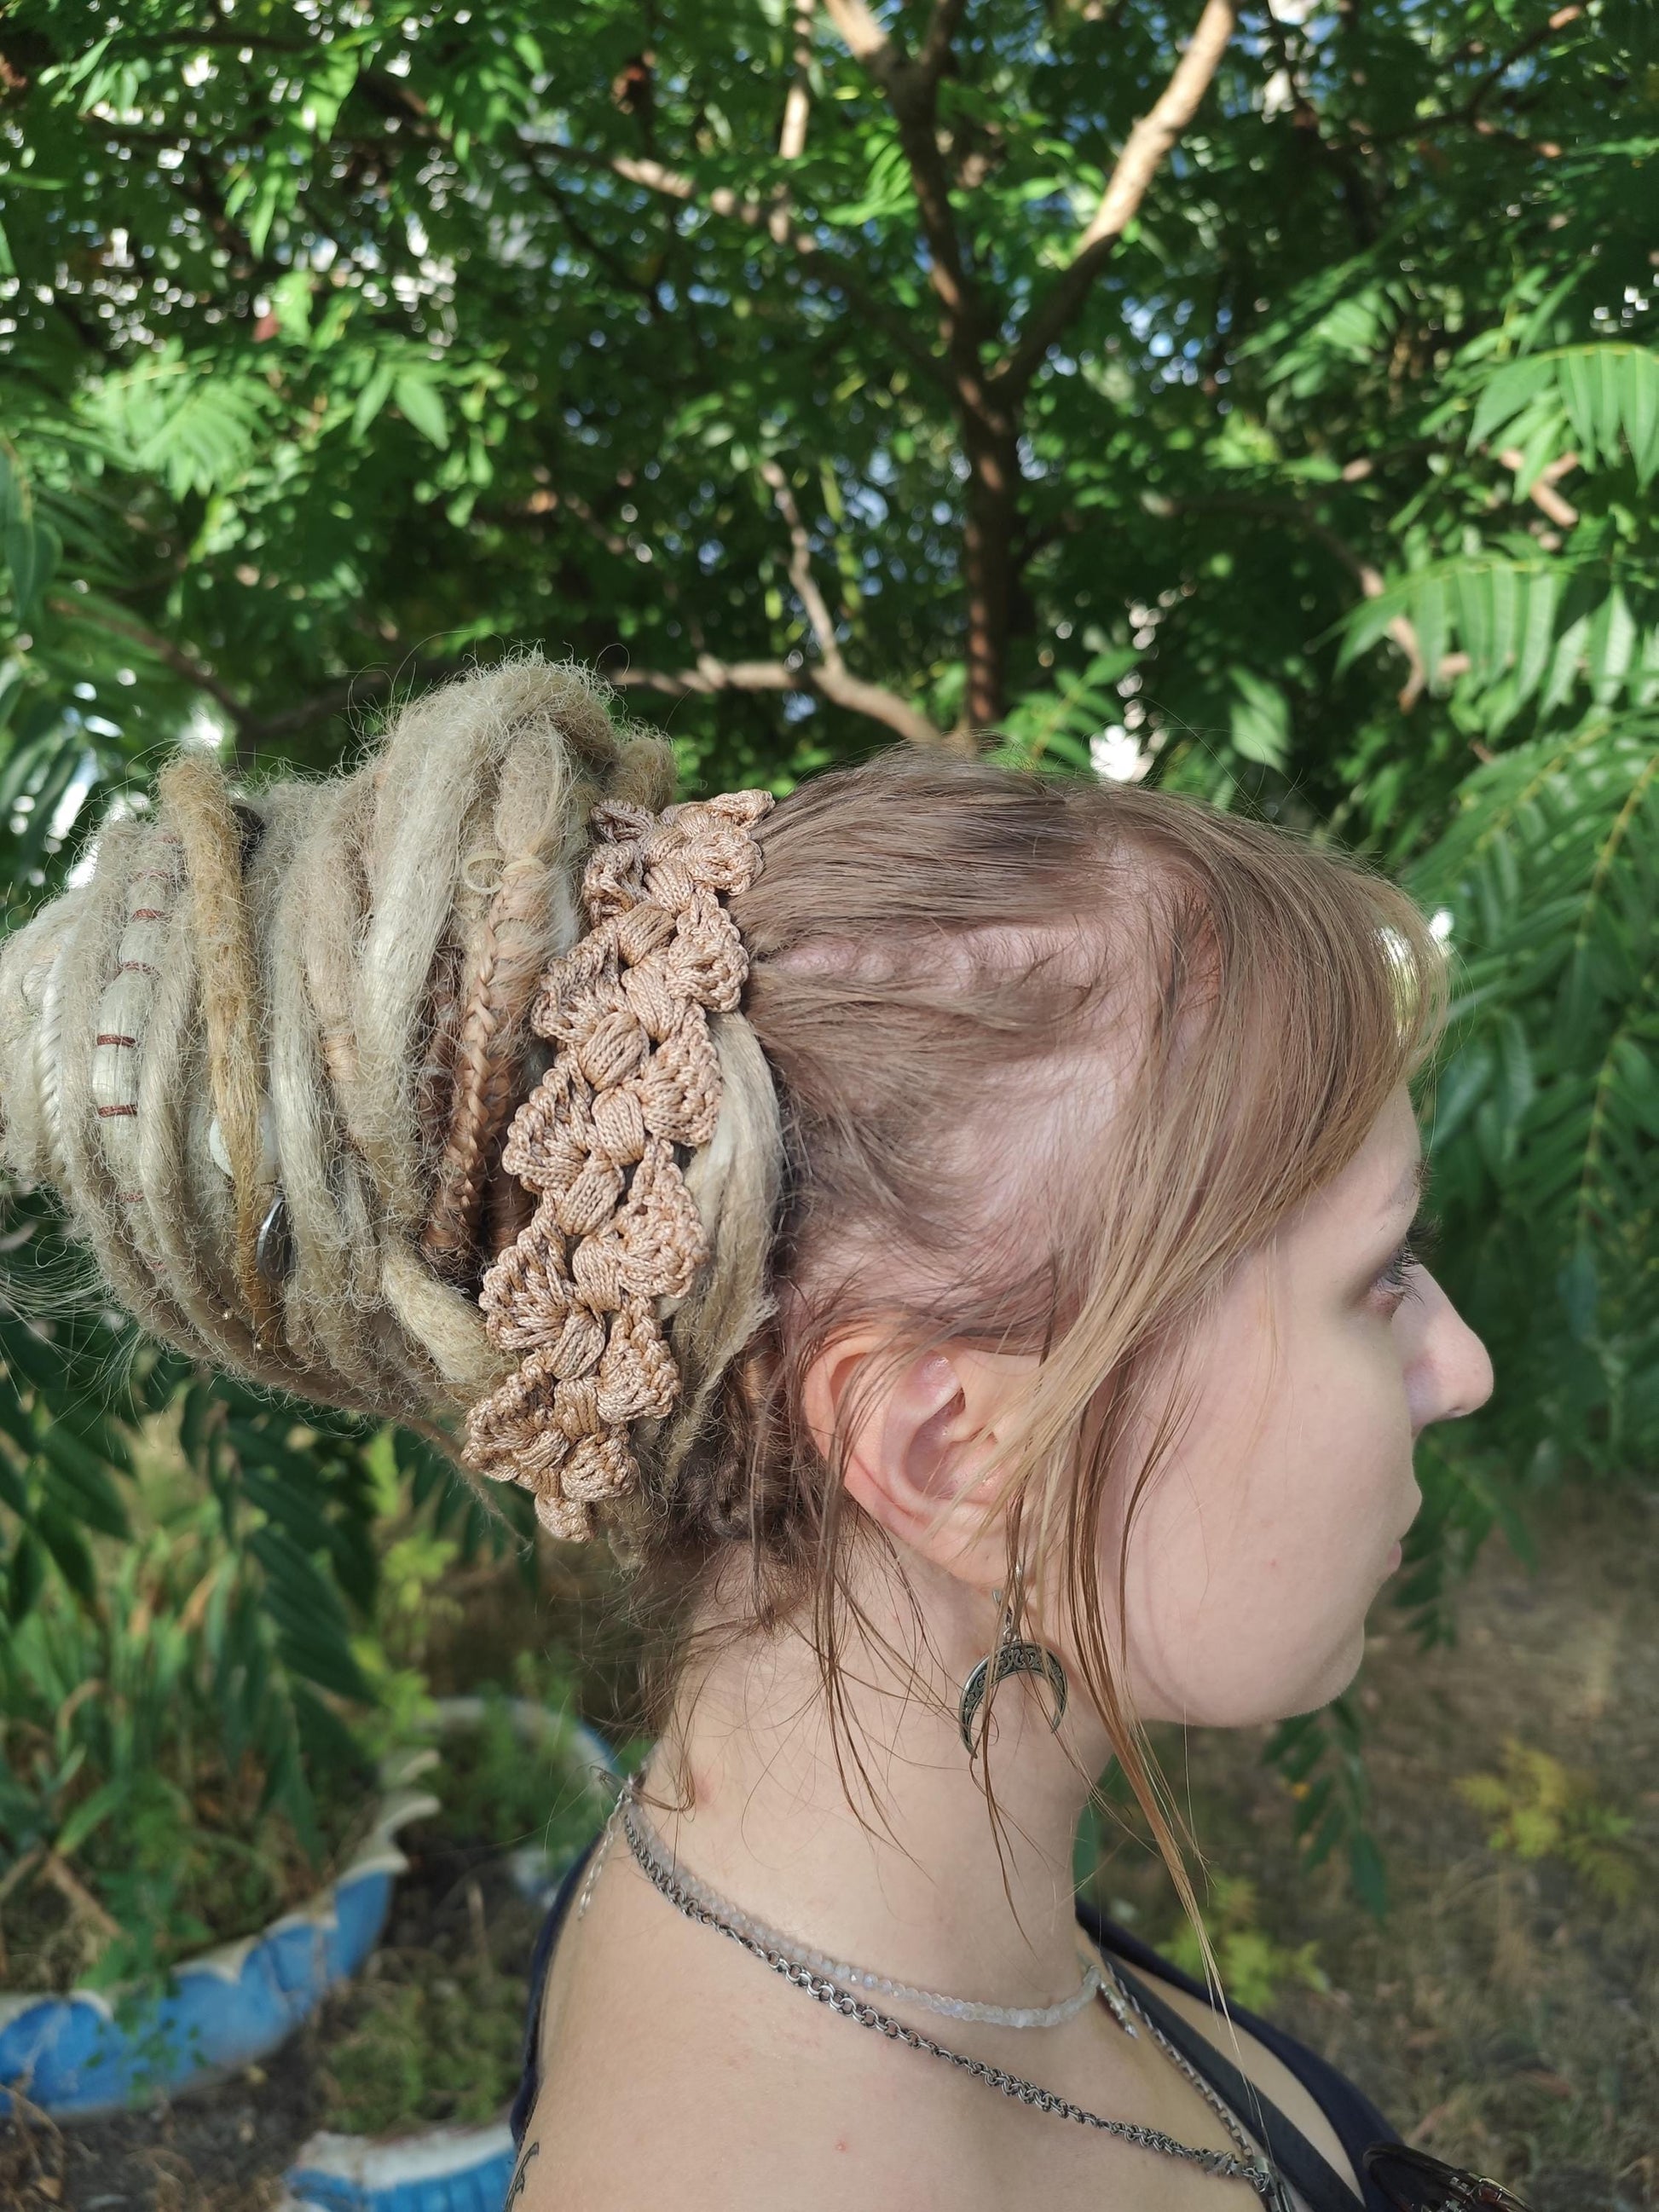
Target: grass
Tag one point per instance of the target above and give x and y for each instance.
(426, 2039)
(431, 2032)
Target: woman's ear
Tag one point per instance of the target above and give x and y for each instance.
(923, 1459)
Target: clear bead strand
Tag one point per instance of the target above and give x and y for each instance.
(849, 1976)
(663, 1877)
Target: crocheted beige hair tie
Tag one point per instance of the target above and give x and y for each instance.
(614, 1228)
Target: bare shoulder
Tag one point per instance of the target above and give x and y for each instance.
(1270, 2074)
(728, 2133)
(673, 2074)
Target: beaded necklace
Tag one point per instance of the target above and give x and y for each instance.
(700, 1903)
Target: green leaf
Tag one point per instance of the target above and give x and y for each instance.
(419, 401)
(1461, 1090)
(80, 1483)
(1581, 388)
(1578, 1285)
(90, 1814)
(12, 1493)
(1260, 725)
(290, 302)
(373, 398)
(32, 555)
(1538, 597)
(1475, 602)
(24, 1577)
(1367, 1872)
(1564, 665)
(1608, 646)
(1507, 393)
(1543, 436)
(1641, 414)
(1606, 365)
(68, 1550)
(30, 1359)
(297, 1515)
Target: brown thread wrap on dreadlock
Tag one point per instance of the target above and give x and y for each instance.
(302, 1006)
(635, 1073)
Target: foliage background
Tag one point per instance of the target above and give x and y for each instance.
(1262, 401)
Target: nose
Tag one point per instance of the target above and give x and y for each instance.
(1451, 1371)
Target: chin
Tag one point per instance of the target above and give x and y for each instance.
(1258, 1696)
(1333, 1678)
(1307, 1693)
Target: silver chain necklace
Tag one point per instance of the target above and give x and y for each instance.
(708, 1911)
(859, 1977)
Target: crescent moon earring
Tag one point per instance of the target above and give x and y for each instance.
(1013, 1656)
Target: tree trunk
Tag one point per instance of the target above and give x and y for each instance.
(990, 445)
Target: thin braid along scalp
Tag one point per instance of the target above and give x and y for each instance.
(1027, 1061)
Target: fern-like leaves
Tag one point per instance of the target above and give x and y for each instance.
(1545, 1119)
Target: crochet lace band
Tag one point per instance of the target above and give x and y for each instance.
(615, 1230)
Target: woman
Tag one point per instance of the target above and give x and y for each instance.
(949, 1231)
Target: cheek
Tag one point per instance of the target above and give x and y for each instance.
(1259, 1547)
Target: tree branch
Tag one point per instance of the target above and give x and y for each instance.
(195, 36)
(987, 421)
(177, 657)
(1339, 160)
(710, 676)
(865, 37)
(533, 513)
(939, 37)
(797, 105)
(619, 273)
(259, 730)
(831, 676)
(1500, 69)
(912, 88)
(1143, 151)
(671, 184)
(252, 730)
(63, 1879)
(775, 216)
(800, 568)
(1543, 493)
(1369, 578)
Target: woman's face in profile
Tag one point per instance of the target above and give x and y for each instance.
(1259, 1546)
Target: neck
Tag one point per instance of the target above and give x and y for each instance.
(907, 1880)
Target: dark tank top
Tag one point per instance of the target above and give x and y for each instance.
(1355, 2120)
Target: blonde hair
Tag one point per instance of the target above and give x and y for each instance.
(1196, 1017)
(320, 987)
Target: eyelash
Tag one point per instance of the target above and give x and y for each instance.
(1421, 1240)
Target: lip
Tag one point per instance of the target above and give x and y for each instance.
(1395, 1556)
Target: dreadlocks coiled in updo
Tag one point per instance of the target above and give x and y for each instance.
(1020, 1060)
(267, 1053)
(1024, 1061)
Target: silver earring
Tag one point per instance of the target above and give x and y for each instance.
(1013, 1656)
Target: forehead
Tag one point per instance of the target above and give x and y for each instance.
(1411, 1184)
(1384, 1176)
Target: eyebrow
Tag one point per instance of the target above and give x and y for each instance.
(1412, 1186)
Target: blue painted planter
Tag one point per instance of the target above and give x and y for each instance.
(221, 2010)
(442, 2169)
(536, 1872)
(448, 2170)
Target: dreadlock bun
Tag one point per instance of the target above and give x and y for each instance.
(266, 1052)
